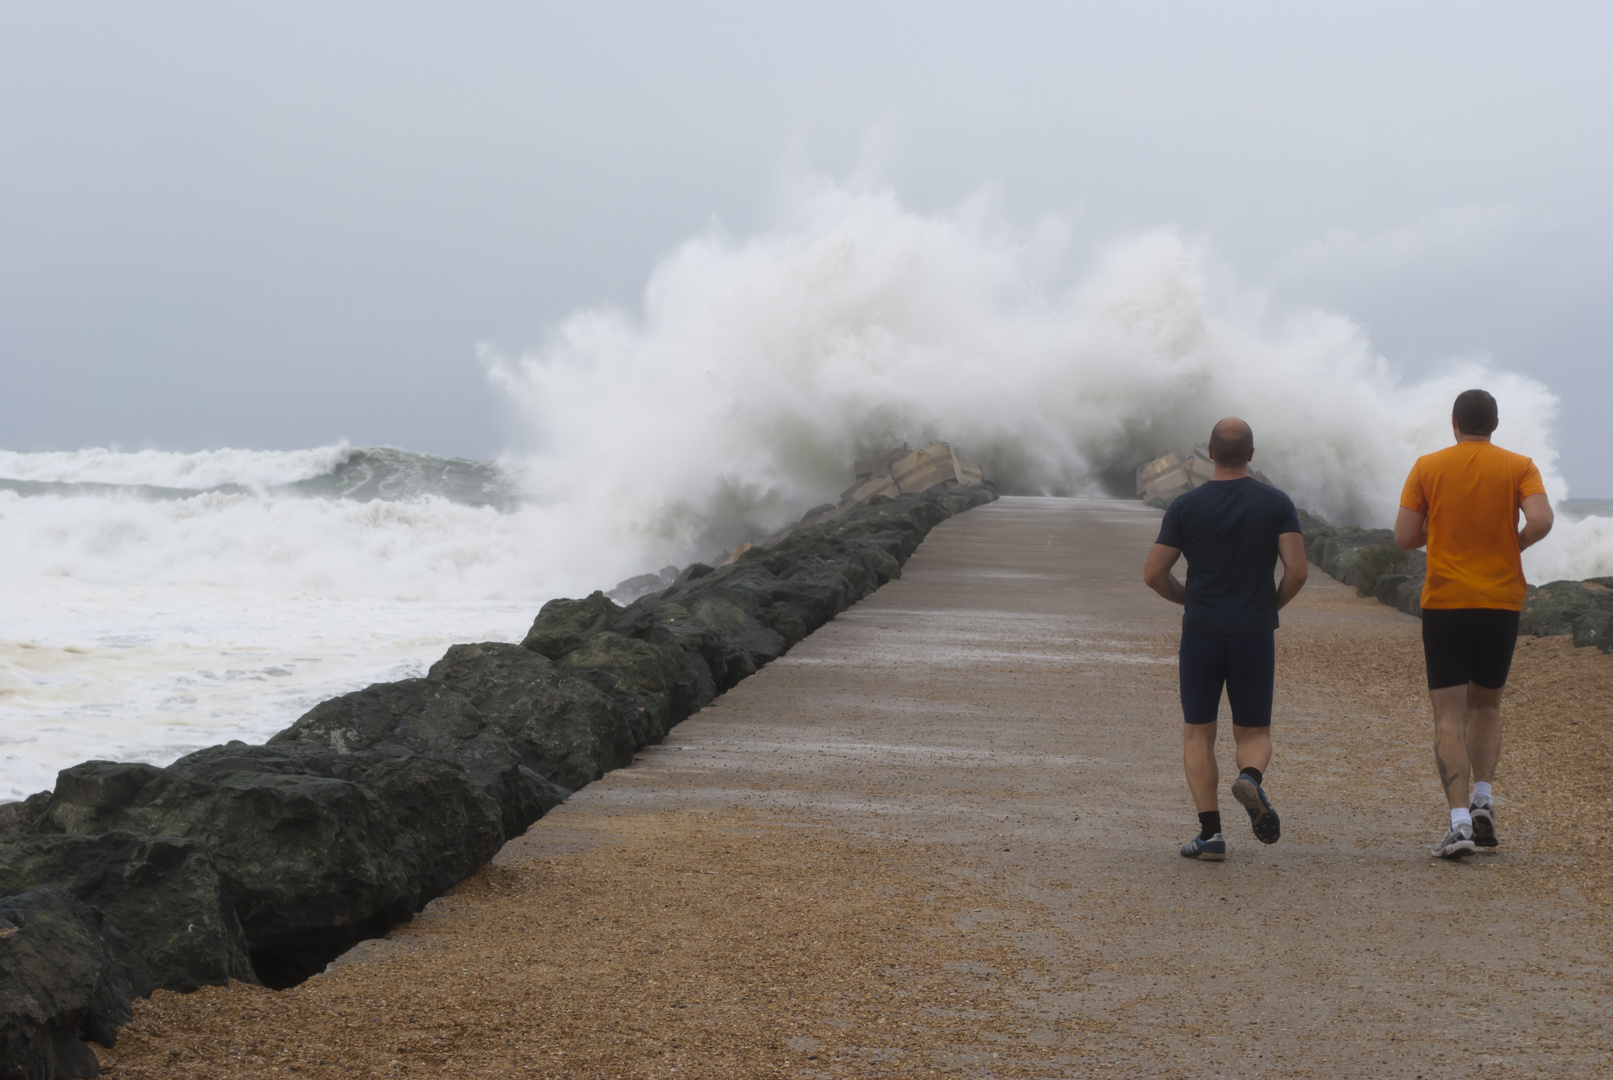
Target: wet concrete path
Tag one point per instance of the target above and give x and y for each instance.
(1014, 695)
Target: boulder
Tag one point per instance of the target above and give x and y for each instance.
(430, 717)
(22, 817)
(563, 625)
(164, 894)
(640, 676)
(694, 572)
(923, 468)
(1152, 470)
(1336, 549)
(1387, 589)
(643, 584)
(565, 728)
(721, 632)
(1582, 609)
(307, 839)
(863, 468)
(1408, 596)
(66, 975)
(903, 471)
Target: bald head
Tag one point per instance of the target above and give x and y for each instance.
(1232, 443)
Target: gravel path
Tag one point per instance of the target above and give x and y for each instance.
(939, 837)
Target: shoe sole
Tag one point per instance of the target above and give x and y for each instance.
(1484, 829)
(1208, 856)
(1267, 825)
(1459, 850)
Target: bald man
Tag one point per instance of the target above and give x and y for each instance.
(1233, 530)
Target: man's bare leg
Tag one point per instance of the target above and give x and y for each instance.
(1483, 731)
(1483, 753)
(1198, 759)
(1450, 743)
(1254, 747)
(1254, 752)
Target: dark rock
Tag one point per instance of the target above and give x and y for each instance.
(164, 894)
(725, 627)
(731, 621)
(66, 975)
(639, 676)
(641, 585)
(1582, 609)
(314, 856)
(89, 792)
(563, 625)
(447, 825)
(22, 817)
(566, 729)
(1336, 551)
(1387, 588)
(1310, 525)
(694, 572)
(1409, 596)
(1338, 548)
(790, 608)
(1335, 547)
(430, 717)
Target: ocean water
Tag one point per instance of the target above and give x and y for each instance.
(155, 602)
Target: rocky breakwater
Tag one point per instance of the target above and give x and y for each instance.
(1369, 560)
(263, 863)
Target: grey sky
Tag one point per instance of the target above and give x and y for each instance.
(278, 225)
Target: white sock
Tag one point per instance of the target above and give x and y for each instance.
(1481, 787)
(1460, 816)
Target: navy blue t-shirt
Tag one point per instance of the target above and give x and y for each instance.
(1228, 530)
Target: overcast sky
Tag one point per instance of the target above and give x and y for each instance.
(279, 225)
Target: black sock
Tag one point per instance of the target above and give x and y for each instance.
(1209, 823)
(1253, 773)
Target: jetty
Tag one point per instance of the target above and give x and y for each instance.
(939, 837)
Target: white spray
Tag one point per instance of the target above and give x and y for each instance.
(758, 368)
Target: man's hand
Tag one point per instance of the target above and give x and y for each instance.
(1296, 569)
(1157, 573)
(1411, 530)
(1537, 521)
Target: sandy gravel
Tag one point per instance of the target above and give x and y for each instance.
(939, 838)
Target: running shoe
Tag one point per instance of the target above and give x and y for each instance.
(1457, 843)
(1212, 850)
(1268, 829)
(1483, 823)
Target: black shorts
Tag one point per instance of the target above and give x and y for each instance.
(1468, 645)
(1246, 664)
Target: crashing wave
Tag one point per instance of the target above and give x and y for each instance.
(339, 472)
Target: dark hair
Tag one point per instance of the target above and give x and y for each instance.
(1475, 412)
(1232, 443)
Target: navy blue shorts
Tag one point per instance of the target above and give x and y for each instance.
(1246, 664)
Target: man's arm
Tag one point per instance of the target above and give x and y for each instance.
(1157, 573)
(1411, 529)
(1296, 568)
(1537, 521)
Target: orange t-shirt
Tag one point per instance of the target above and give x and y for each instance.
(1470, 494)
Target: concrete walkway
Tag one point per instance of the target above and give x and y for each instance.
(991, 747)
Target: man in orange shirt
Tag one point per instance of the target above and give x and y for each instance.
(1463, 502)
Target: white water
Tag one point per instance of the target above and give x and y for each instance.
(154, 468)
(145, 629)
(134, 628)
